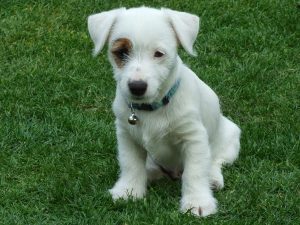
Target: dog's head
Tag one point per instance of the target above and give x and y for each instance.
(143, 46)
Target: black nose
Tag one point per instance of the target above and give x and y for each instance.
(137, 88)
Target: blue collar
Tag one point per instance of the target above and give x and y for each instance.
(156, 105)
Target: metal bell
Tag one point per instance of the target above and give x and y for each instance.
(133, 119)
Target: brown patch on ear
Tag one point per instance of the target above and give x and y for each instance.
(121, 49)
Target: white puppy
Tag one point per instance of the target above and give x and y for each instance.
(168, 121)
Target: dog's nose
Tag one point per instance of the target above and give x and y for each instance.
(138, 87)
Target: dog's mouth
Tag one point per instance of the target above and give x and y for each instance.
(138, 99)
(141, 99)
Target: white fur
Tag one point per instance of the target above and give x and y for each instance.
(190, 132)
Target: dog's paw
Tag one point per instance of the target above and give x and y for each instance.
(199, 206)
(123, 191)
(217, 182)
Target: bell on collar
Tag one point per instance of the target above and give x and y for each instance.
(133, 119)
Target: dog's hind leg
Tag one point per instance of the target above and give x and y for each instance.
(225, 149)
(153, 170)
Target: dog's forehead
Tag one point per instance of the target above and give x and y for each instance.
(143, 25)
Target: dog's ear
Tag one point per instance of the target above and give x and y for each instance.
(100, 25)
(186, 27)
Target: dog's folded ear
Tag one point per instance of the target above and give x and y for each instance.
(186, 27)
(99, 26)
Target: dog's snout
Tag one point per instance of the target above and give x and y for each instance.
(138, 87)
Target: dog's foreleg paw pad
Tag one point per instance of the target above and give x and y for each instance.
(196, 208)
(200, 211)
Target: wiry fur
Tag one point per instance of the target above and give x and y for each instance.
(190, 133)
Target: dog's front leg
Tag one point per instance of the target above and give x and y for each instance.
(132, 160)
(197, 196)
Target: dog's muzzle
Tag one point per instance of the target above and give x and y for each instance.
(137, 88)
(133, 119)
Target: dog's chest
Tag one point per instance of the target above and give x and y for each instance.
(159, 141)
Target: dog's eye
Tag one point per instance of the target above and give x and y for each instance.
(158, 54)
(121, 50)
(121, 53)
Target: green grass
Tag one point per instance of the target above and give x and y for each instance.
(57, 135)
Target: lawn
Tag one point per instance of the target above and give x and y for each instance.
(57, 134)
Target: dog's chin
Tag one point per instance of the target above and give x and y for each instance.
(137, 99)
(141, 99)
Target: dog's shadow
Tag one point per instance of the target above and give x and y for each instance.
(165, 188)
